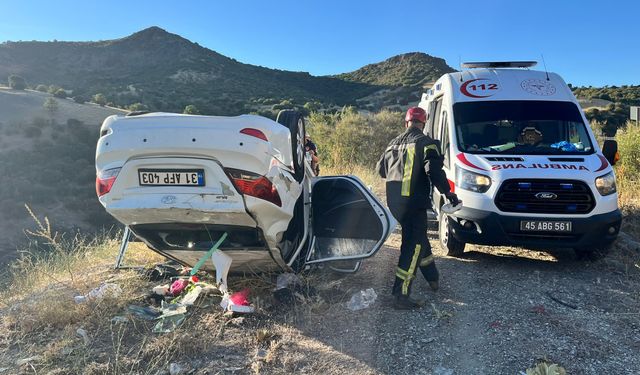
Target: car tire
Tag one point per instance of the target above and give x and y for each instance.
(448, 242)
(593, 253)
(294, 121)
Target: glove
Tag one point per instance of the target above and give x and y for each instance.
(452, 198)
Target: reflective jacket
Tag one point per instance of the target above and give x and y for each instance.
(408, 163)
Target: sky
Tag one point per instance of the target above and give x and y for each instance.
(587, 42)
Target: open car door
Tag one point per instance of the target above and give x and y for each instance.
(348, 222)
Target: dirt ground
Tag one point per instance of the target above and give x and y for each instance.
(498, 311)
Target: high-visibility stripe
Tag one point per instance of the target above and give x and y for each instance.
(400, 270)
(412, 268)
(426, 261)
(408, 170)
(431, 147)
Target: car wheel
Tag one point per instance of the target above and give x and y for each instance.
(295, 122)
(593, 253)
(448, 242)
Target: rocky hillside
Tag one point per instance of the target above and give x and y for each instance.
(166, 72)
(411, 69)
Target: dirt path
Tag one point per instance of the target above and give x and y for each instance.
(499, 311)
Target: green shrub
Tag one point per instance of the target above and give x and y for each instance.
(51, 105)
(42, 88)
(100, 99)
(60, 93)
(191, 110)
(352, 138)
(17, 83)
(628, 168)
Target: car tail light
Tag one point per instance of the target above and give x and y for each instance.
(254, 133)
(105, 180)
(255, 185)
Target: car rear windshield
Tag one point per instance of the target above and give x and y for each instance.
(521, 127)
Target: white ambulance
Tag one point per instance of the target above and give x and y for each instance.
(520, 154)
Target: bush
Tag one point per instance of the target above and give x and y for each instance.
(17, 83)
(628, 168)
(100, 99)
(51, 105)
(191, 110)
(348, 137)
(42, 88)
(137, 107)
(80, 99)
(60, 93)
(52, 89)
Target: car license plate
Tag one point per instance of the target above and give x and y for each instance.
(545, 226)
(171, 177)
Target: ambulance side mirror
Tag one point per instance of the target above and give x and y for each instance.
(610, 151)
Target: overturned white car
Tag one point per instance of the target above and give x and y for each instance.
(179, 182)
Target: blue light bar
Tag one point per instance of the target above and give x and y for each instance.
(566, 186)
(521, 206)
(524, 185)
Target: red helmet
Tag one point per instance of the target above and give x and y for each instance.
(416, 114)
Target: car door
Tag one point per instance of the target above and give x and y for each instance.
(348, 222)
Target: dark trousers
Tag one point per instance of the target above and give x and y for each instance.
(415, 251)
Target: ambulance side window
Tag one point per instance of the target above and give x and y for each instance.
(434, 118)
(444, 139)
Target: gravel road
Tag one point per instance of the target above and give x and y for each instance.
(498, 311)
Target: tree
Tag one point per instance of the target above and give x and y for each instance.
(17, 83)
(51, 105)
(191, 110)
(100, 99)
(60, 93)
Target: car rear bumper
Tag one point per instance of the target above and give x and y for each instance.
(500, 230)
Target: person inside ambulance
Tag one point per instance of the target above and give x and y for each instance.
(410, 163)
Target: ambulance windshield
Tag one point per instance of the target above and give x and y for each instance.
(521, 127)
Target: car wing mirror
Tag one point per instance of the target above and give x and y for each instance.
(610, 151)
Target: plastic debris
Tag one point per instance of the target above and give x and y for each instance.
(146, 313)
(104, 290)
(85, 337)
(222, 263)
(178, 286)
(173, 314)
(162, 290)
(362, 299)
(285, 280)
(237, 302)
(191, 296)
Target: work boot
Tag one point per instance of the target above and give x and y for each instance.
(403, 302)
(434, 285)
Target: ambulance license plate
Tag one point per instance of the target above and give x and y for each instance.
(171, 177)
(545, 226)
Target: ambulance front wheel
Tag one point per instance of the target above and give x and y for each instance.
(448, 242)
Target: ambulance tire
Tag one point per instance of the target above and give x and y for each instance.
(294, 121)
(592, 253)
(448, 242)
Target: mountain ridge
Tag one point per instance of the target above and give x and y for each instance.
(167, 72)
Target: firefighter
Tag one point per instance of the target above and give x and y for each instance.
(408, 163)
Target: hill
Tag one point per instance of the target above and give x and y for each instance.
(408, 69)
(47, 162)
(167, 72)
